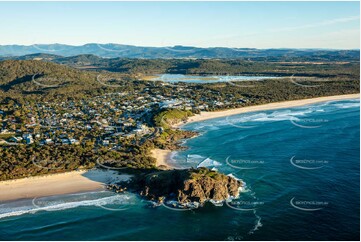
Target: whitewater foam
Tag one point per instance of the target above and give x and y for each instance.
(51, 204)
(209, 163)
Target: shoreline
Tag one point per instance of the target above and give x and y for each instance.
(96, 179)
(263, 107)
(57, 184)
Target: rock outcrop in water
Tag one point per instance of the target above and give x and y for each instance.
(186, 186)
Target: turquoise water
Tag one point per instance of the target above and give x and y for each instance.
(301, 168)
(174, 78)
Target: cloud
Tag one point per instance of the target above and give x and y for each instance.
(318, 24)
(267, 39)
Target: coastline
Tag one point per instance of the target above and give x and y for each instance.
(57, 184)
(263, 107)
(95, 179)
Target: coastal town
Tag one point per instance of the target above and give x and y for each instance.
(105, 120)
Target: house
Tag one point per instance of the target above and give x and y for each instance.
(73, 141)
(118, 134)
(109, 128)
(127, 124)
(105, 142)
(15, 139)
(129, 135)
(63, 136)
(27, 136)
(29, 140)
(65, 141)
(141, 129)
(48, 141)
(203, 107)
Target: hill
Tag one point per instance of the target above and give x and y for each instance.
(130, 51)
(29, 79)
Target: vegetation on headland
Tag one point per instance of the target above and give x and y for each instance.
(184, 186)
(167, 118)
(169, 137)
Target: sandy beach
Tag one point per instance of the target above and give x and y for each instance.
(161, 156)
(270, 106)
(64, 183)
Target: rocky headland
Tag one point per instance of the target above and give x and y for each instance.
(183, 186)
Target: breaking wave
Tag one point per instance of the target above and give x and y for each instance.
(209, 163)
(57, 203)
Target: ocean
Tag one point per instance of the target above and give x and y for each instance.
(300, 166)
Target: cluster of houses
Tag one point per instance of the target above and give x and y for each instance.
(28, 139)
(111, 116)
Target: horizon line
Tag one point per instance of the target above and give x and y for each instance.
(179, 45)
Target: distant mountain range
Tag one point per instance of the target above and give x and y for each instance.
(129, 51)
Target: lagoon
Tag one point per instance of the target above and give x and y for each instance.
(175, 78)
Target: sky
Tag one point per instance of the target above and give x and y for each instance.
(331, 25)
